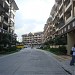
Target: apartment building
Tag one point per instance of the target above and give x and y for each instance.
(49, 29)
(33, 39)
(63, 17)
(7, 16)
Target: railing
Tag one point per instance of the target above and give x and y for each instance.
(7, 3)
(3, 30)
(68, 15)
(60, 6)
(6, 23)
(67, 3)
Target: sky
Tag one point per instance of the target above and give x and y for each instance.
(31, 16)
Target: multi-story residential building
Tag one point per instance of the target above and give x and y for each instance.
(48, 30)
(63, 17)
(7, 14)
(33, 39)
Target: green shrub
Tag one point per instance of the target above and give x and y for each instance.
(63, 49)
(8, 50)
(60, 51)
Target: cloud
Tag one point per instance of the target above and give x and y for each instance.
(32, 15)
(35, 9)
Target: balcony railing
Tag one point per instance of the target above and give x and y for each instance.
(60, 2)
(6, 23)
(60, 6)
(67, 5)
(1, 3)
(68, 15)
(68, 18)
(7, 2)
(3, 30)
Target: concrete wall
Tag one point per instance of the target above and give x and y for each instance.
(70, 41)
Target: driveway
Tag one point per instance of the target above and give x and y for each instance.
(30, 62)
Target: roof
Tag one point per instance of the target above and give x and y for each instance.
(38, 33)
(15, 5)
(53, 9)
(57, 0)
(24, 35)
(31, 34)
(49, 19)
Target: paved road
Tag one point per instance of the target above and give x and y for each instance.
(30, 62)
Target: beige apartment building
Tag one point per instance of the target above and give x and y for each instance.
(7, 16)
(49, 29)
(63, 17)
(33, 39)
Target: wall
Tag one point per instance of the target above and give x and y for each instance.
(70, 41)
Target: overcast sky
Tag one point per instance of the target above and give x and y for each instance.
(32, 15)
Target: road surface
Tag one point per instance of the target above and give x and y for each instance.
(30, 62)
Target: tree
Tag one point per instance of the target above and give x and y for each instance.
(60, 40)
(51, 41)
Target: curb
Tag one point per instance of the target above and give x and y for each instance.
(67, 69)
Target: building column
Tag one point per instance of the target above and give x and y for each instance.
(70, 41)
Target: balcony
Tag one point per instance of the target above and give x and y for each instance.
(68, 16)
(57, 29)
(67, 5)
(1, 6)
(12, 19)
(5, 20)
(3, 31)
(61, 5)
(59, 1)
(6, 6)
(61, 15)
(6, 23)
(7, 14)
(56, 13)
(7, 2)
(1, 9)
(61, 24)
(13, 12)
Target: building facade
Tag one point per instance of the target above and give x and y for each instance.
(49, 29)
(63, 17)
(33, 39)
(7, 22)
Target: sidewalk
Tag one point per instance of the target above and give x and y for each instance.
(64, 61)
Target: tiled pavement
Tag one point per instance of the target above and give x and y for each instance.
(64, 60)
